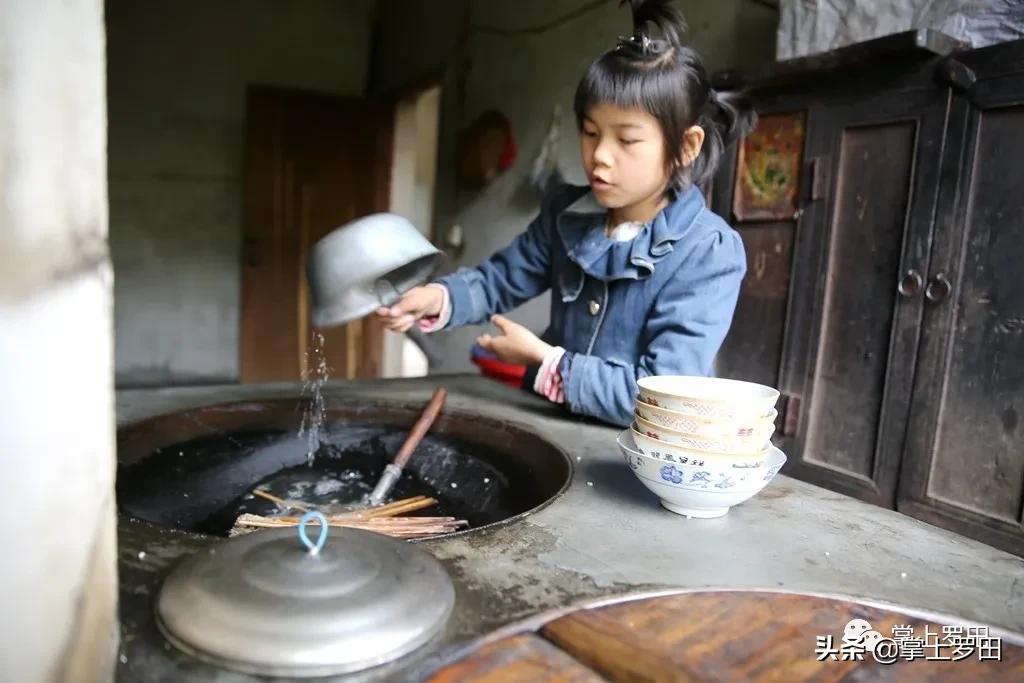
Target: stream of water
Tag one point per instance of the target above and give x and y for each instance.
(314, 414)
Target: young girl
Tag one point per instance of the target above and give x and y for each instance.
(644, 277)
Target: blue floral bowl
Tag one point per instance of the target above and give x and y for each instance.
(705, 490)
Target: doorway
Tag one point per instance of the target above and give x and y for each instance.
(413, 182)
(312, 163)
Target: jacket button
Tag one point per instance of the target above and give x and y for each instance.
(595, 307)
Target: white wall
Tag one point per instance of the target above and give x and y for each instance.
(413, 175)
(58, 620)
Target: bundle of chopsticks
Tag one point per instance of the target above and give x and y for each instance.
(382, 519)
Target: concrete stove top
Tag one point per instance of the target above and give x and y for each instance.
(605, 536)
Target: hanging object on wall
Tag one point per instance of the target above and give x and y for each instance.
(768, 171)
(544, 172)
(487, 148)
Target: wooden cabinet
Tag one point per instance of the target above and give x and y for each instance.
(872, 223)
(963, 464)
(892, 314)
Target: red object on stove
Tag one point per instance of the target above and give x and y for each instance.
(499, 370)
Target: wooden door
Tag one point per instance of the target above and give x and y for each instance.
(313, 162)
(873, 170)
(964, 463)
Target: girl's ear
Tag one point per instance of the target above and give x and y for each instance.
(693, 140)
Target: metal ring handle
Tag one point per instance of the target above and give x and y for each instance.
(910, 284)
(938, 289)
(428, 346)
(312, 547)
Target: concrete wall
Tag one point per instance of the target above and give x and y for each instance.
(413, 182)
(525, 75)
(178, 71)
(59, 588)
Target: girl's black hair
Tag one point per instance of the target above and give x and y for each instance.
(658, 74)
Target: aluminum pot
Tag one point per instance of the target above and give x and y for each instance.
(368, 263)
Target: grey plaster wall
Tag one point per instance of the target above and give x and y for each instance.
(491, 55)
(178, 71)
(812, 26)
(59, 588)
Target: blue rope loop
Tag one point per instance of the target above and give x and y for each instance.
(312, 547)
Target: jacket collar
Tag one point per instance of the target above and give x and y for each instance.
(581, 229)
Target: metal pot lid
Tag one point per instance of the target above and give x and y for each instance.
(264, 603)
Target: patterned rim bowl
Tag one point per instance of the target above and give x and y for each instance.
(695, 491)
(709, 397)
(704, 426)
(747, 444)
(670, 452)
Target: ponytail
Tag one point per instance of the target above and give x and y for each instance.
(660, 14)
(653, 71)
(727, 117)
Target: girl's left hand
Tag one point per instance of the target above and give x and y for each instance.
(515, 344)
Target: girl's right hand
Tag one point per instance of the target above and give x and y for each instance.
(418, 303)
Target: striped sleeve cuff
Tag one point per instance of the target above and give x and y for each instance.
(548, 382)
(439, 321)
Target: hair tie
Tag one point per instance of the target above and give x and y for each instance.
(643, 44)
(638, 41)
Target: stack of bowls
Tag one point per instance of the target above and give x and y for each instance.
(702, 444)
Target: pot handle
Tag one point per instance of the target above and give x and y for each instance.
(429, 347)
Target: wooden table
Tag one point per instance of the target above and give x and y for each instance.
(726, 636)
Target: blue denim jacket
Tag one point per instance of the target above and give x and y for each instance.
(660, 304)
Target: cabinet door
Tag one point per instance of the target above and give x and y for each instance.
(964, 462)
(852, 338)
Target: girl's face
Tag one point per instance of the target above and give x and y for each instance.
(623, 154)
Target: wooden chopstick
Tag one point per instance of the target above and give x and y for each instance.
(280, 501)
(398, 507)
(411, 527)
(408, 505)
(382, 519)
